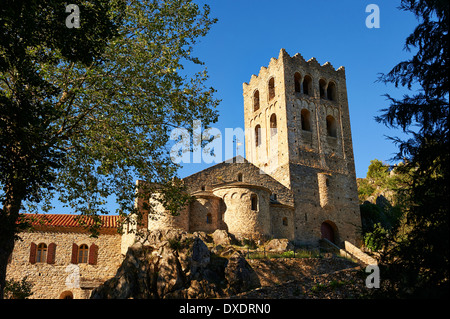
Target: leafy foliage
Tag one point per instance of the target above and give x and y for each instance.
(415, 264)
(18, 289)
(86, 112)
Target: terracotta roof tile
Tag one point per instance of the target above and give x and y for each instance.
(68, 220)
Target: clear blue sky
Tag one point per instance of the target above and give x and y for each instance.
(250, 32)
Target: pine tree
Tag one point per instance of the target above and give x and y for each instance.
(416, 265)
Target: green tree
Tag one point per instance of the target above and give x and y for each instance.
(416, 263)
(18, 289)
(83, 118)
(377, 170)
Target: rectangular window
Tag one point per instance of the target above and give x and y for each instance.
(254, 200)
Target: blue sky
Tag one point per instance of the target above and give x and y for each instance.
(249, 32)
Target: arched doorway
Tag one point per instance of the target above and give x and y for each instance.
(328, 231)
(66, 295)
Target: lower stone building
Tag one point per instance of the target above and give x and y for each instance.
(62, 260)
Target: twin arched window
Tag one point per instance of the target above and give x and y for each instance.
(273, 130)
(256, 98)
(325, 91)
(330, 121)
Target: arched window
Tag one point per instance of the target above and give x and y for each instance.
(305, 120)
(209, 218)
(258, 135)
(285, 221)
(83, 252)
(331, 126)
(239, 177)
(256, 101)
(273, 124)
(254, 201)
(271, 88)
(307, 85)
(41, 253)
(297, 82)
(331, 91)
(322, 85)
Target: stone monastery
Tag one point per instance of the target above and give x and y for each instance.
(297, 182)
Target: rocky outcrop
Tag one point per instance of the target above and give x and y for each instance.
(279, 245)
(222, 237)
(176, 264)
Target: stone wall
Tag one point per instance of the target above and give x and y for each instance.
(282, 220)
(230, 172)
(205, 212)
(245, 216)
(62, 278)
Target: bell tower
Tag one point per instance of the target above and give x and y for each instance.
(297, 128)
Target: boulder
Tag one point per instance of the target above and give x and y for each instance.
(176, 264)
(222, 237)
(240, 275)
(279, 245)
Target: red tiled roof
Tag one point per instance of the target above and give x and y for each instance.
(68, 220)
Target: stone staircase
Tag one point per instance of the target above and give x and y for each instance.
(349, 251)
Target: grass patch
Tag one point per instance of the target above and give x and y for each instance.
(301, 253)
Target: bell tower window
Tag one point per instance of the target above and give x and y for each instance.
(307, 85)
(322, 85)
(331, 126)
(273, 125)
(271, 88)
(305, 120)
(297, 82)
(256, 101)
(258, 135)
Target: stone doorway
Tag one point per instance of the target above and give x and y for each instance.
(327, 231)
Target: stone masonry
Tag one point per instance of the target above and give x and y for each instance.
(298, 180)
